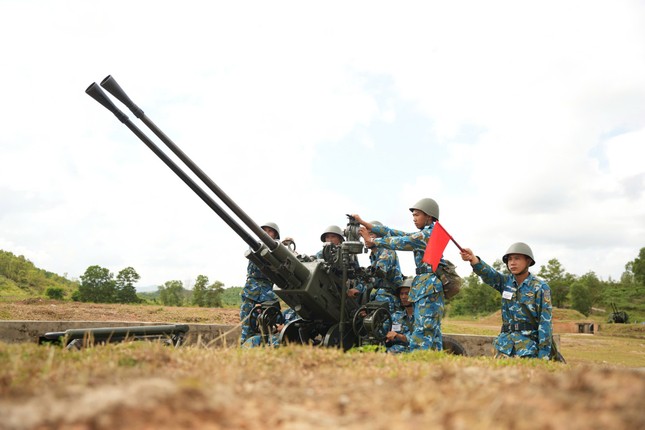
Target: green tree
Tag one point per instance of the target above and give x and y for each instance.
(97, 286)
(500, 267)
(125, 290)
(213, 296)
(580, 297)
(475, 298)
(231, 297)
(637, 267)
(594, 287)
(55, 293)
(199, 291)
(558, 279)
(172, 293)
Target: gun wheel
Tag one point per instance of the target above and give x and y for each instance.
(379, 324)
(332, 338)
(451, 346)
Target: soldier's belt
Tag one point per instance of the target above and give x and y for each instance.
(518, 326)
(422, 270)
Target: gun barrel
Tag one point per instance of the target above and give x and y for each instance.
(314, 289)
(111, 85)
(96, 93)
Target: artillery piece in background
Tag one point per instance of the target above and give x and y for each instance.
(170, 334)
(316, 290)
(618, 317)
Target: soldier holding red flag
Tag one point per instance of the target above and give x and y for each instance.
(426, 292)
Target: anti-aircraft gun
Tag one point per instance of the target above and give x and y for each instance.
(618, 317)
(316, 290)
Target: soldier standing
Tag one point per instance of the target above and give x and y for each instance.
(426, 292)
(258, 287)
(526, 303)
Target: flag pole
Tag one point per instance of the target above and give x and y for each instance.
(452, 238)
(455, 242)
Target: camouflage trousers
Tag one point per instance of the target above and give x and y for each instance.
(256, 341)
(428, 312)
(245, 312)
(398, 348)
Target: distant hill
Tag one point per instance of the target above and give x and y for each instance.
(20, 278)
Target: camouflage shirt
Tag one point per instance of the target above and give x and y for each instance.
(425, 283)
(536, 295)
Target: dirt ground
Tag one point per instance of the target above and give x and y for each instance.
(54, 310)
(151, 386)
(305, 388)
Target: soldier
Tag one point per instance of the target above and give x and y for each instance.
(402, 320)
(385, 262)
(332, 234)
(426, 292)
(258, 287)
(526, 303)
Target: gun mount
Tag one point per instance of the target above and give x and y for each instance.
(316, 290)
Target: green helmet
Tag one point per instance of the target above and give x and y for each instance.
(376, 223)
(519, 248)
(428, 206)
(407, 283)
(274, 226)
(332, 229)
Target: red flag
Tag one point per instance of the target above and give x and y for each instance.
(437, 242)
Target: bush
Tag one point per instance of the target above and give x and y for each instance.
(55, 293)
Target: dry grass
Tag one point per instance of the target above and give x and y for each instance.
(145, 385)
(150, 386)
(54, 310)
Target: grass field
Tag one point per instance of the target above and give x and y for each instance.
(146, 385)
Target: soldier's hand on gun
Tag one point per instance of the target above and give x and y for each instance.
(365, 234)
(468, 255)
(358, 218)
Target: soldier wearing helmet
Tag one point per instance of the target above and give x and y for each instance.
(526, 303)
(402, 320)
(258, 288)
(333, 235)
(384, 263)
(426, 292)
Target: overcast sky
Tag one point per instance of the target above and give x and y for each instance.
(524, 120)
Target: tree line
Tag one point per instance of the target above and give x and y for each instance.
(99, 285)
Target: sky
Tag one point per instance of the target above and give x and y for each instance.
(525, 121)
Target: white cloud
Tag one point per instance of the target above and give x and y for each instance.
(536, 117)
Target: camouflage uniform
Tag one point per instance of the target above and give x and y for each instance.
(426, 292)
(384, 289)
(402, 324)
(257, 289)
(517, 337)
(274, 339)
